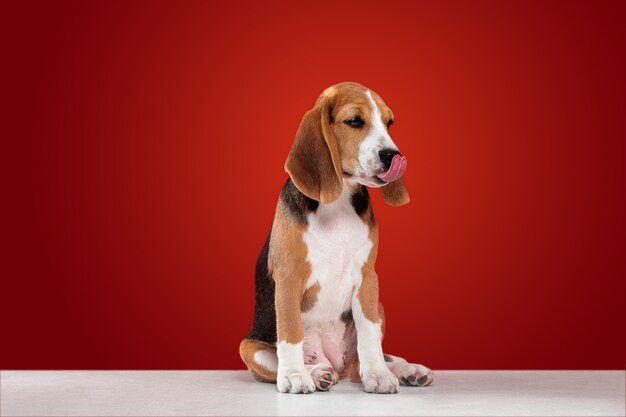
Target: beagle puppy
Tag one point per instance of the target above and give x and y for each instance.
(317, 316)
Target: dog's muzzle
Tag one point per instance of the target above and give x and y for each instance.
(395, 165)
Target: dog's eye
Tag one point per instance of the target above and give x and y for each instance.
(355, 122)
(389, 123)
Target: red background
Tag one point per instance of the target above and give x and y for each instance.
(143, 149)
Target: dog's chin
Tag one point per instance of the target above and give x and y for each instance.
(372, 182)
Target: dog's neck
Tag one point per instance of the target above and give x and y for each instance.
(354, 199)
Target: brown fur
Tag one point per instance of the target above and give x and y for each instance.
(310, 297)
(395, 193)
(313, 162)
(368, 292)
(247, 349)
(290, 270)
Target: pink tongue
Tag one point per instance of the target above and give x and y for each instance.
(397, 168)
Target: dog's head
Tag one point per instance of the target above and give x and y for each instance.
(346, 135)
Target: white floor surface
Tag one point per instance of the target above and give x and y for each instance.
(204, 393)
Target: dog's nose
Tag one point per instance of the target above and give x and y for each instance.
(386, 155)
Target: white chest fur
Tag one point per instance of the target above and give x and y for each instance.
(338, 246)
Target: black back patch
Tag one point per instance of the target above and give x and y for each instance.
(264, 323)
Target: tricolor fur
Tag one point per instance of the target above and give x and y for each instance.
(317, 315)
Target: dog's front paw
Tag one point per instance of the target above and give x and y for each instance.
(380, 381)
(295, 382)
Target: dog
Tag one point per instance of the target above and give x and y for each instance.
(317, 317)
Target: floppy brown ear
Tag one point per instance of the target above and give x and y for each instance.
(313, 162)
(395, 193)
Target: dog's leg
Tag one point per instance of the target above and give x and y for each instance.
(375, 374)
(262, 361)
(409, 374)
(260, 358)
(292, 375)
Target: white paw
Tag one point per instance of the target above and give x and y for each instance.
(380, 381)
(295, 382)
(323, 376)
(412, 374)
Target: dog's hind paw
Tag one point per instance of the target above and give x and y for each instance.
(323, 376)
(412, 375)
